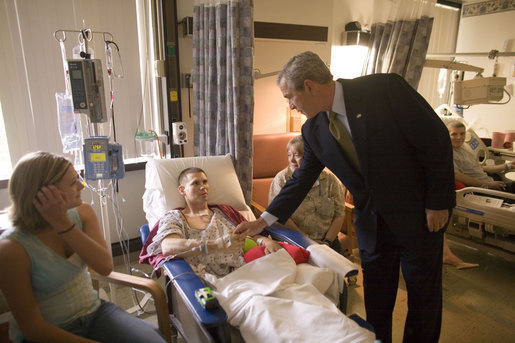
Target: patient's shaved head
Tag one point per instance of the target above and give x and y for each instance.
(187, 171)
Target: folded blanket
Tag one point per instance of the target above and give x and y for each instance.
(264, 300)
(323, 256)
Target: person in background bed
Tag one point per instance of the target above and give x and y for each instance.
(321, 214)
(467, 168)
(45, 256)
(200, 233)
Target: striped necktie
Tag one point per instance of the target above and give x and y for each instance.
(342, 136)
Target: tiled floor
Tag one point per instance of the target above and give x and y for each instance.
(478, 302)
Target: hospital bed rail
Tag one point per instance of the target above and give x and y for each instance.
(188, 318)
(480, 216)
(196, 324)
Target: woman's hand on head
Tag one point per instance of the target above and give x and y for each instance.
(52, 204)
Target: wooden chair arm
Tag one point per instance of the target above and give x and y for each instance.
(256, 208)
(147, 285)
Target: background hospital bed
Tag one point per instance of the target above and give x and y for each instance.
(194, 323)
(476, 218)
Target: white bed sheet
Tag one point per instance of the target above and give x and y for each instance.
(265, 300)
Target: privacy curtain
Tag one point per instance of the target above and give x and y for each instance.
(400, 36)
(223, 106)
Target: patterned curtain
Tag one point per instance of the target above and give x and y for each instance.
(223, 33)
(399, 44)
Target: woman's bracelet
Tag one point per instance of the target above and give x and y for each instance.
(67, 230)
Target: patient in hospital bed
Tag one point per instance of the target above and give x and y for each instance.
(270, 299)
(201, 234)
(467, 168)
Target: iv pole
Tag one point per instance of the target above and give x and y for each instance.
(86, 37)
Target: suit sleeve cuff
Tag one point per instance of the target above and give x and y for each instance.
(269, 218)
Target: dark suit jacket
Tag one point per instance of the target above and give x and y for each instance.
(404, 152)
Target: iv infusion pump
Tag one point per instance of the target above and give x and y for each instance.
(87, 86)
(102, 160)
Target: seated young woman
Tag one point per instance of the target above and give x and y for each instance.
(201, 234)
(45, 258)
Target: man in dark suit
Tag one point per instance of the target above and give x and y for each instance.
(399, 168)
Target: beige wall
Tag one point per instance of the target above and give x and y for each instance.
(481, 34)
(270, 55)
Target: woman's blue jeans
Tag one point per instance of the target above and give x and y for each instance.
(111, 324)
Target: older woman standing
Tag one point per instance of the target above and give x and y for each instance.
(45, 256)
(321, 214)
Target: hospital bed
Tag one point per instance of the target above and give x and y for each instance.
(188, 317)
(486, 216)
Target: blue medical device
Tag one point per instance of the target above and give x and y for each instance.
(102, 160)
(206, 298)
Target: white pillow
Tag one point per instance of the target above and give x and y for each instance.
(161, 184)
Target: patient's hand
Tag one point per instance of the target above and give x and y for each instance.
(272, 246)
(269, 244)
(499, 185)
(235, 246)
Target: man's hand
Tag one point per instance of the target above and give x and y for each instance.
(436, 219)
(250, 228)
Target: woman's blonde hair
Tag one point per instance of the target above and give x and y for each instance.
(32, 172)
(297, 143)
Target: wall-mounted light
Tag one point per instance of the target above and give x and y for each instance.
(355, 35)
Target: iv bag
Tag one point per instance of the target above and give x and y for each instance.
(69, 123)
